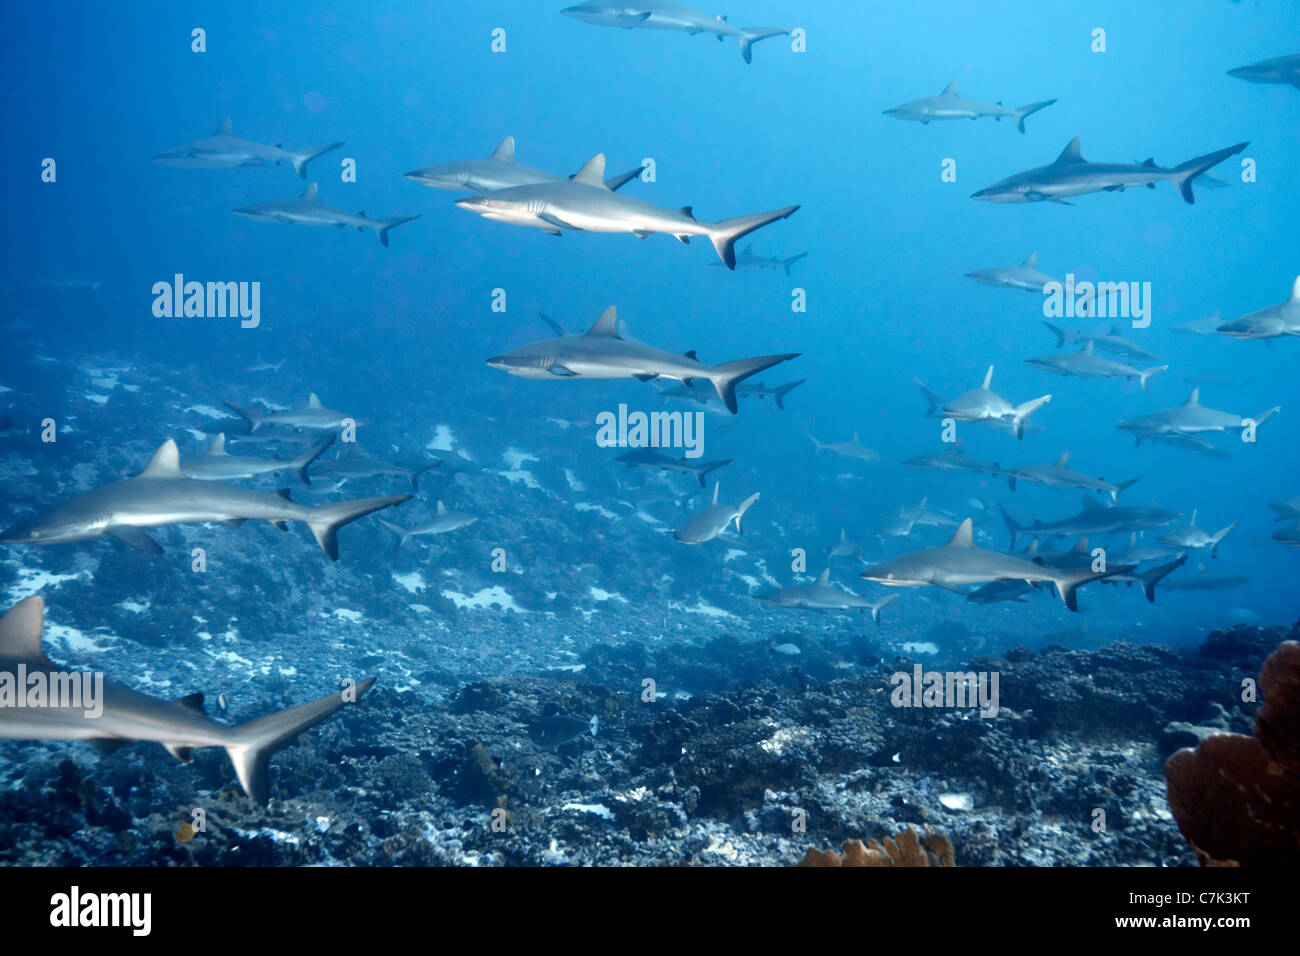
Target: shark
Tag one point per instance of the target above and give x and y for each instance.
(667, 15)
(1147, 579)
(1205, 581)
(759, 390)
(307, 210)
(222, 150)
(711, 520)
(1135, 552)
(602, 353)
(1094, 518)
(1059, 475)
(443, 522)
(1287, 510)
(1279, 69)
(357, 466)
(853, 448)
(843, 548)
(1191, 418)
(1188, 537)
(953, 458)
(313, 416)
(651, 458)
(821, 595)
(1024, 276)
(162, 495)
(181, 726)
(1085, 364)
(1111, 342)
(1272, 322)
(585, 204)
(949, 105)
(1206, 326)
(961, 563)
(216, 464)
(746, 259)
(982, 405)
(1072, 175)
(1288, 534)
(498, 171)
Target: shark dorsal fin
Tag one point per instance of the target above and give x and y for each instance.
(856, 440)
(1064, 460)
(950, 89)
(606, 325)
(309, 192)
(1087, 348)
(1073, 153)
(20, 632)
(1031, 260)
(965, 537)
(921, 506)
(1114, 329)
(988, 377)
(218, 446)
(1033, 547)
(592, 173)
(1295, 291)
(442, 509)
(1193, 521)
(193, 703)
(313, 400)
(505, 151)
(165, 463)
(1092, 504)
(716, 486)
(225, 129)
(956, 446)
(1082, 546)
(1133, 540)
(1194, 398)
(843, 536)
(825, 577)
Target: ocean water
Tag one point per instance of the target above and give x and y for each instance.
(571, 551)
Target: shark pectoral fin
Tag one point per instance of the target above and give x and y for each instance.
(183, 754)
(954, 588)
(282, 525)
(1111, 189)
(649, 377)
(106, 745)
(557, 222)
(685, 240)
(136, 538)
(562, 371)
(642, 233)
(234, 522)
(1060, 202)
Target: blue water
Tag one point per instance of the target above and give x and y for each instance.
(400, 334)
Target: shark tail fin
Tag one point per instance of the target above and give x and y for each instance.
(1183, 174)
(708, 467)
(415, 475)
(381, 226)
(1022, 412)
(751, 35)
(936, 403)
(876, 608)
(1061, 337)
(725, 233)
(257, 740)
(744, 506)
(728, 375)
(618, 182)
(402, 534)
(250, 415)
(1025, 111)
(787, 263)
(1114, 495)
(305, 460)
(1069, 583)
(300, 160)
(1219, 536)
(1151, 578)
(779, 394)
(326, 520)
(1012, 526)
(1143, 376)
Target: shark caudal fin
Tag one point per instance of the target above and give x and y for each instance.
(250, 415)
(1143, 376)
(1025, 111)
(787, 263)
(744, 506)
(326, 520)
(305, 460)
(779, 393)
(618, 182)
(253, 743)
(724, 234)
(300, 160)
(728, 375)
(1217, 537)
(381, 226)
(936, 403)
(751, 35)
(1061, 337)
(1149, 579)
(1183, 175)
(1022, 412)
(402, 534)
(416, 473)
(875, 608)
(1068, 584)
(708, 467)
(1012, 526)
(1114, 495)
